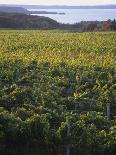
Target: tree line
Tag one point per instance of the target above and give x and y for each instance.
(23, 21)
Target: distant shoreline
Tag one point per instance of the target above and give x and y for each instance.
(110, 6)
(45, 12)
(16, 9)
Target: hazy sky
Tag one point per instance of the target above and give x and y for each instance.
(59, 2)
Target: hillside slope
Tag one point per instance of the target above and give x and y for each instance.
(23, 21)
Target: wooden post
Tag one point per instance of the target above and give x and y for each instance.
(68, 150)
(35, 80)
(108, 111)
(68, 135)
(36, 92)
(92, 115)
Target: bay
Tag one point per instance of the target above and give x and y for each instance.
(76, 15)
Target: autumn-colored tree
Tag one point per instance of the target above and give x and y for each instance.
(106, 26)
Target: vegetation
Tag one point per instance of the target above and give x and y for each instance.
(50, 80)
(23, 21)
(27, 21)
(91, 26)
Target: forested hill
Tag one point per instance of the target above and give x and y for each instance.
(23, 21)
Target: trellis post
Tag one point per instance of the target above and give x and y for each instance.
(108, 111)
(68, 135)
(35, 80)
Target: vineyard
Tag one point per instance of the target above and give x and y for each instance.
(57, 93)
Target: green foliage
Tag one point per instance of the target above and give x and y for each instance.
(25, 21)
(44, 75)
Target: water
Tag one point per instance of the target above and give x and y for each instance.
(77, 15)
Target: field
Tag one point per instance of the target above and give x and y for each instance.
(89, 49)
(53, 83)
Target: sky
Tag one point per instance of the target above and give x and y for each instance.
(59, 2)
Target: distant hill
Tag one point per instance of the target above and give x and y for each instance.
(21, 9)
(23, 21)
(65, 7)
(9, 9)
